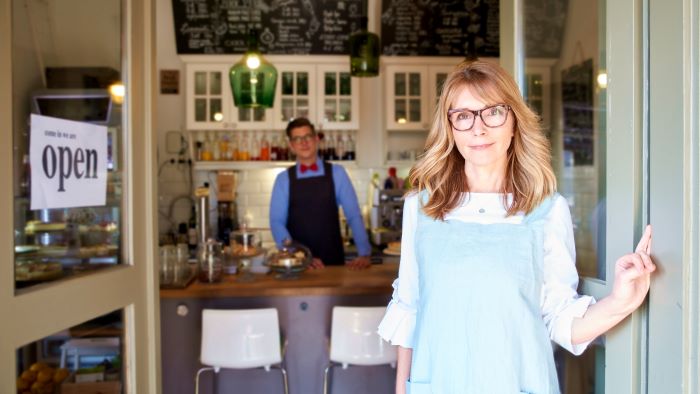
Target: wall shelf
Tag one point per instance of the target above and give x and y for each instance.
(254, 165)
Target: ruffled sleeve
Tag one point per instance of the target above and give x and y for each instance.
(560, 302)
(399, 322)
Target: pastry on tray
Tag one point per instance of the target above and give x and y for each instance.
(37, 271)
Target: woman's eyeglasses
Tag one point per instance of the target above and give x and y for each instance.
(462, 119)
(302, 138)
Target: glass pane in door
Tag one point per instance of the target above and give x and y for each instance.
(200, 83)
(68, 210)
(85, 358)
(215, 83)
(564, 54)
(329, 84)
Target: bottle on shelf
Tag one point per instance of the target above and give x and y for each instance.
(225, 146)
(331, 147)
(207, 154)
(244, 147)
(233, 146)
(264, 148)
(283, 152)
(350, 148)
(274, 148)
(216, 147)
(340, 147)
(255, 147)
(198, 149)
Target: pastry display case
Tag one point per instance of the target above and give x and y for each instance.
(51, 244)
(54, 243)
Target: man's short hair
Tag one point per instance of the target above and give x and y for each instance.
(299, 122)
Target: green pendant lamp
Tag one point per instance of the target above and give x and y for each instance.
(364, 52)
(253, 79)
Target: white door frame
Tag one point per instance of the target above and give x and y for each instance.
(133, 287)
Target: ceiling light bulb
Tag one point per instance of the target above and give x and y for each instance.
(602, 80)
(253, 62)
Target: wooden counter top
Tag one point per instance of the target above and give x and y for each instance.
(332, 280)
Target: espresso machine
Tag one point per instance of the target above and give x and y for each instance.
(386, 216)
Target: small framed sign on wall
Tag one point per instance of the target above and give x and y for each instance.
(169, 81)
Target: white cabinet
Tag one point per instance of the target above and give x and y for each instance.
(210, 102)
(296, 93)
(323, 93)
(406, 93)
(412, 92)
(338, 94)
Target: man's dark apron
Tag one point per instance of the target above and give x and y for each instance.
(312, 217)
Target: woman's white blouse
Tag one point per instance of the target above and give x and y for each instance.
(559, 301)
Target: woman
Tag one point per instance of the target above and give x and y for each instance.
(487, 274)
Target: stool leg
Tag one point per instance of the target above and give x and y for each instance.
(325, 378)
(284, 378)
(196, 379)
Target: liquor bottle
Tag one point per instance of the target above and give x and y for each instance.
(350, 153)
(233, 146)
(244, 147)
(264, 148)
(255, 147)
(216, 147)
(274, 149)
(340, 149)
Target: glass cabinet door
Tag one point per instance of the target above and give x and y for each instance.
(296, 91)
(406, 97)
(339, 109)
(208, 97)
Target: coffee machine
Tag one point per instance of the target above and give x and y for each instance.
(386, 216)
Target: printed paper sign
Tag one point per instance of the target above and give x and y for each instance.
(68, 163)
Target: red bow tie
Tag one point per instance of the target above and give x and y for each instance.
(304, 168)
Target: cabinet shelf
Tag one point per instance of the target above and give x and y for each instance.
(254, 165)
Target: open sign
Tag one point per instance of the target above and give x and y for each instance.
(68, 162)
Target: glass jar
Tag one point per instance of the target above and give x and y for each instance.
(210, 262)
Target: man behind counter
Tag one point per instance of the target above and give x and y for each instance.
(305, 199)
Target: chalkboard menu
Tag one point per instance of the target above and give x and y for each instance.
(440, 28)
(284, 26)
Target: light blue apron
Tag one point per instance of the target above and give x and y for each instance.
(479, 327)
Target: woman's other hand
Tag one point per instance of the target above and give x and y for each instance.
(633, 275)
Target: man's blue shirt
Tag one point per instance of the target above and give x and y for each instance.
(344, 195)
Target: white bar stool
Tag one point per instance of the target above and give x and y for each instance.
(105, 347)
(241, 339)
(354, 339)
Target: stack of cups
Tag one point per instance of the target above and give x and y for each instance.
(182, 269)
(167, 262)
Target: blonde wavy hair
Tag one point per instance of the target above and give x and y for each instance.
(441, 170)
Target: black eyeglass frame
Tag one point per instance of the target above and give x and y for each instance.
(477, 113)
(296, 140)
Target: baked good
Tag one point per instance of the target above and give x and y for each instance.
(36, 226)
(37, 271)
(394, 246)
